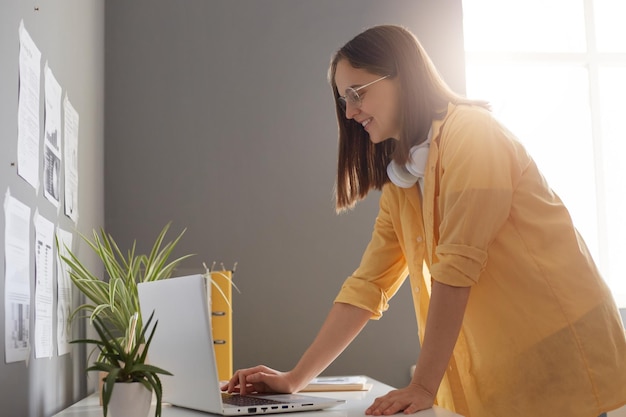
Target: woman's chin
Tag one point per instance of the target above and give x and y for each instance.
(378, 139)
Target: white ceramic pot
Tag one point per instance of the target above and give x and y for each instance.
(129, 399)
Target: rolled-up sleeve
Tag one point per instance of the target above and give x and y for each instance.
(459, 265)
(382, 270)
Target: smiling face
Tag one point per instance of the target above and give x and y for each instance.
(378, 110)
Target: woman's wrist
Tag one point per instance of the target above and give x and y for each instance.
(430, 389)
(297, 380)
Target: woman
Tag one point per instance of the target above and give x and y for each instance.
(513, 316)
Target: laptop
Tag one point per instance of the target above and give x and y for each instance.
(183, 345)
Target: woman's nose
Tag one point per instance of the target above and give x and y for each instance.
(351, 110)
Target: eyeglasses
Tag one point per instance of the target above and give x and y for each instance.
(352, 95)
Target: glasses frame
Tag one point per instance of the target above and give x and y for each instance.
(352, 95)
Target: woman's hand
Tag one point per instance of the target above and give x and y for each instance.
(259, 379)
(408, 400)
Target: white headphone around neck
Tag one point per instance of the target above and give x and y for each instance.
(406, 175)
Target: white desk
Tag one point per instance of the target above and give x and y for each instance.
(356, 403)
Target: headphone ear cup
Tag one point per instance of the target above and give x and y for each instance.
(418, 157)
(400, 176)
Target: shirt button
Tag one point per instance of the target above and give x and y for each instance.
(417, 289)
(419, 239)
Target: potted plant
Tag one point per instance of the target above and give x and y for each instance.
(134, 380)
(112, 304)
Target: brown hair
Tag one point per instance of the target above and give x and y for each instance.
(424, 96)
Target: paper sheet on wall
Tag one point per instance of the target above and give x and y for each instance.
(28, 109)
(44, 286)
(52, 138)
(64, 294)
(70, 147)
(17, 280)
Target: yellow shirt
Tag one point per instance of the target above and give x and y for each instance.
(541, 334)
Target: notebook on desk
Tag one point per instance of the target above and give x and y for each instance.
(183, 345)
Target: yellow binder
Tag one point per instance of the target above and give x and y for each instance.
(222, 322)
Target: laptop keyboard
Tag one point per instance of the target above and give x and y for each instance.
(244, 401)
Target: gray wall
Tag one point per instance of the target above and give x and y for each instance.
(70, 36)
(220, 119)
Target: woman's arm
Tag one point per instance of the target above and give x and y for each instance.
(343, 324)
(443, 324)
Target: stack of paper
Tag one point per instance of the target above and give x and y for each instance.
(339, 383)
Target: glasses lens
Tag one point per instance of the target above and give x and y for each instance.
(353, 97)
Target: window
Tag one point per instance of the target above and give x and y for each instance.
(555, 74)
